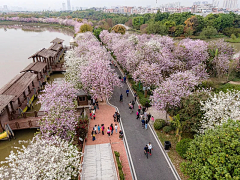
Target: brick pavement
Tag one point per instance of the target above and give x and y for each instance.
(105, 116)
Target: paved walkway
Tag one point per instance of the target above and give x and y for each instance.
(156, 166)
(98, 163)
(105, 116)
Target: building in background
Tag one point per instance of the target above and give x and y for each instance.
(215, 3)
(230, 4)
(63, 6)
(68, 5)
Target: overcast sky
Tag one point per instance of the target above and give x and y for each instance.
(57, 4)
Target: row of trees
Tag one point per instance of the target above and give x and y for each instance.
(88, 67)
(176, 24)
(175, 72)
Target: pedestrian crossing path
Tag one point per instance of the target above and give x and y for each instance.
(98, 163)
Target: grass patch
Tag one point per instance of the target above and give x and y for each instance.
(237, 40)
(173, 155)
(117, 154)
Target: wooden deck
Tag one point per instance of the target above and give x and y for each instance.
(24, 123)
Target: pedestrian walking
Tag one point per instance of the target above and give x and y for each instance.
(143, 123)
(118, 117)
(133, 102)
(139, 108)
(111, 128)
(94, 100)
(141, 117)
(137, 113)
(99, 128)
(130, 107)
(145, 115)
(103, 129)
(95, 129)
(143, 109)
(115, 117)
(121, 98)
(94, 116)
(150, 148)
(124, 79)
(152, 118)
(95, 107)
(90, 115)
(127, 91)
(146, 125)
(97, 104)
(93, 111)
(93, 135)
(108, 132)
(149, 117)
(135, 96)
(116, 127)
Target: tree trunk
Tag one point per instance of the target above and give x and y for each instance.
(145, 93)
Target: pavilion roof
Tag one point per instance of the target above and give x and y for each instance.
(57, 41)
(56, 47)
(45, 53)
(36, 67)
(18, 85)
(5, 100)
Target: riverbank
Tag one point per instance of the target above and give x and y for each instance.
(37, 25)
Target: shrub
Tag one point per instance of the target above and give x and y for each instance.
(119, 29)
(144, 101)
(183, 146)
(215, 154)
(159, 124)
(117, 154)
(85, 28)
(208, 32)
(233, 36)
(167, 129)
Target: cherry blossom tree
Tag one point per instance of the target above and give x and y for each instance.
(149, 75)
(43, 159)
(219, 108)
(170, 91)
(99, 79)
(60, 118)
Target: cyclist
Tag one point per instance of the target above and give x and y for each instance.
(146, 150)
(150, 148)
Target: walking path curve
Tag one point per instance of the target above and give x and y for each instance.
(157, 166)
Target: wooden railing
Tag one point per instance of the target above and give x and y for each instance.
(26, 115)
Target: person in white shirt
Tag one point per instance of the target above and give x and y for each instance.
(150, 148)
(116, 127)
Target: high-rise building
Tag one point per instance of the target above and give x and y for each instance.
(215, 3)
(63, 6)
(230, 4)
(197, 3)
(68, 5)
(205, 2)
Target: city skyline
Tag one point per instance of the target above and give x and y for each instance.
(69, 4)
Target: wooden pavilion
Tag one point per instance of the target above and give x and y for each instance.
(57, 41)
(45, 55)
(38, 68)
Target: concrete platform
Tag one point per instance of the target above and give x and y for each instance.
(98, 163)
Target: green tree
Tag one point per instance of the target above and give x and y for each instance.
(170, 25)
(97, 32)
(215, 154)
(85, 28)
(156, 28)
(190, 111)
(179, 30)
(161, 16)
(213, 20)
(208, 32)
(137, 22)
(226, 21)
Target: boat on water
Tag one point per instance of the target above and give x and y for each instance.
(7, 134)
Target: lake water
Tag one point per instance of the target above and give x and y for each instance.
(16, 46)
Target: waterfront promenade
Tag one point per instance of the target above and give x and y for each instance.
(105, 116)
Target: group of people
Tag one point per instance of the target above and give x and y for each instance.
(93, 108)
(144, 116)
(116, 117)
(97, 129)
(148, 148)
(123, 79)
